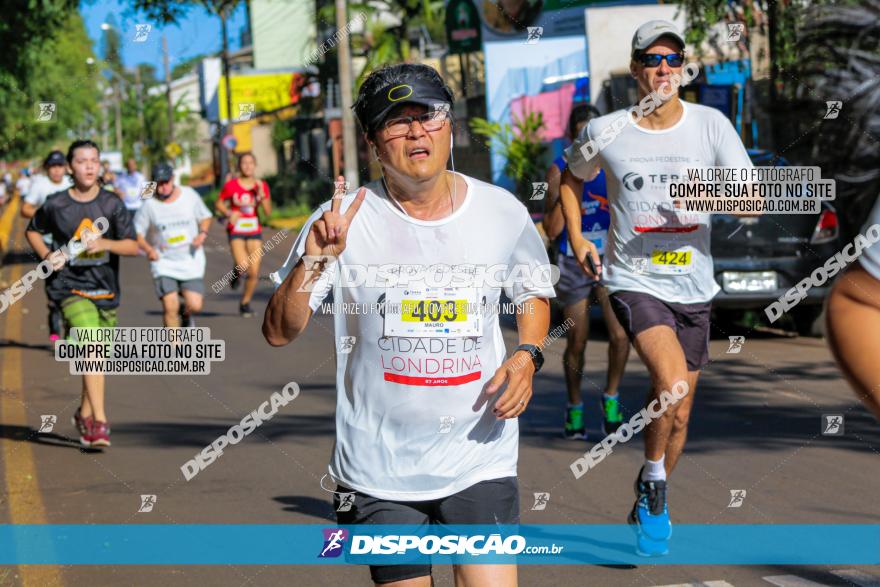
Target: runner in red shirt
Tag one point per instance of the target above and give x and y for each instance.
(238, 202)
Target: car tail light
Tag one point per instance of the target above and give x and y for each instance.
(826, 229)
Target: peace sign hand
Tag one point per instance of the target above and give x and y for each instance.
(329, 233)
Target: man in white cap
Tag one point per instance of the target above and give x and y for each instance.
(657, 264)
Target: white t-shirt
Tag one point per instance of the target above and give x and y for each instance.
(395, 394)
(23, 185)
(129, 186)
(654, 248)
(170, 228)
(43, 187)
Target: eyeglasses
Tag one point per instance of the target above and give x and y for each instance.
(655, 59)
(430, 121)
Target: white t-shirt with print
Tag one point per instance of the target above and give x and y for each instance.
(410, 423)
(170, 229)
(43, 187)
(654, 248)
(870, 258)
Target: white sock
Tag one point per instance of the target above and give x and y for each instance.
(654, 470)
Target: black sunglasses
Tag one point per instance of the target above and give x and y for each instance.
(655, 59)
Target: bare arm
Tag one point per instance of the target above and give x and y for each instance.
(553, 221)
(27, 210)
(288, 312)
(518, 371)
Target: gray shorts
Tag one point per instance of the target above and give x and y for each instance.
(495, 501)
(573, 285)
(166, 285)
(638, 311)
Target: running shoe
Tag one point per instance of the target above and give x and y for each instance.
(245, 310)
(98, 435)
(81, 424)
(574, 423)
(650, 514)
(612, 414)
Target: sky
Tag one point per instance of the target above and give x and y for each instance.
(197, 33)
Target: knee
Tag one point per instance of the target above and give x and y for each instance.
(618, 339)
(194, 305)
(682, 416)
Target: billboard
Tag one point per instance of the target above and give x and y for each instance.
(259, 92)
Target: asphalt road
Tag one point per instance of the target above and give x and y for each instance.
(755, 426)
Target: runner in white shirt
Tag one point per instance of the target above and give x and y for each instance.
(56, 180)
(425, 431)
(129, 185)
(23, 185)
(658, 264)
(171, 229)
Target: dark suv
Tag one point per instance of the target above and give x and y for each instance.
(759, 259)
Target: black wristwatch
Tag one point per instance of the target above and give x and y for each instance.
(537, 355)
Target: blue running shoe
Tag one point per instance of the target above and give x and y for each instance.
(650, 515)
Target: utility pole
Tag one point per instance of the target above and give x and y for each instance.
(224, 156)
(118, 112)
(140, 99)
(345, 87)
(168, 89)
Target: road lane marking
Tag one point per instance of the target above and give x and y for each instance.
(858, 578)
(18, 467)
(792, 581)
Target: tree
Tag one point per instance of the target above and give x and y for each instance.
(383, 42)
(57, 71)
(521, 146)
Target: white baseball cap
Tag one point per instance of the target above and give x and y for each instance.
(653, 30)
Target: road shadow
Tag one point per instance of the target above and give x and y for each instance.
(19, 257)
(729, 410)
(28, 434)
(194, 434)
(6, 343)
(306, 505)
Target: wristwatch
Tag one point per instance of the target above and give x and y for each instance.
(535, 352)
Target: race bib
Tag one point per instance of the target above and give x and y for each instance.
(249, 224)
(175, 240)
(80, 257)
(668, 257)
(444, 312)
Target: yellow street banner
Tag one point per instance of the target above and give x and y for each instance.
(259, 92)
